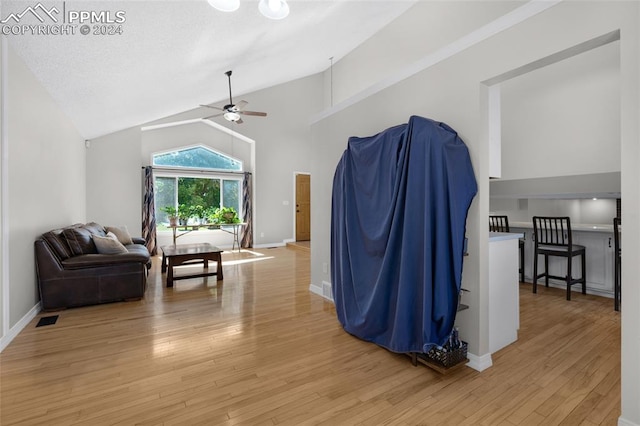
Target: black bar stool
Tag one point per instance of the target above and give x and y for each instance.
(553, 238)
(501, 224)
(617, 264)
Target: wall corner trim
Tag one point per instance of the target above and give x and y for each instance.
(479, 362)
(199, 120)
(20, 325)
(624, 422)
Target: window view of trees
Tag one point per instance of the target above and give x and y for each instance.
(197, 158)
(196, 199)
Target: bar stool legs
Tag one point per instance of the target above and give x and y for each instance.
(553, 238)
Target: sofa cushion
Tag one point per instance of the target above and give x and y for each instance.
(95, 229)
(58, 243)
(80, 241)
(122, 233)
(109, 244)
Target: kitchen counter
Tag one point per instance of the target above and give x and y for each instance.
(590, 227)
(503, 236)
(504, 299)
(598, 240)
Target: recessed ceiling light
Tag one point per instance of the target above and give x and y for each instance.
(225, 5)
(274, 9)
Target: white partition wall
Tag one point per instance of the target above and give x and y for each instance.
(447, 88)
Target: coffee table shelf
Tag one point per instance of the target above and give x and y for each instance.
(180, 254)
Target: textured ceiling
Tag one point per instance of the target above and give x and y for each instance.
(172, 55)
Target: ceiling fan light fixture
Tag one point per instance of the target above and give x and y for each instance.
(231, 116)
(274, 9)
(225, 5)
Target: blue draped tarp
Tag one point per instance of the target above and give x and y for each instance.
(399, 208)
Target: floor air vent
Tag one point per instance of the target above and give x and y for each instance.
(47, 321)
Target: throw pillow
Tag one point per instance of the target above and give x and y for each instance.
(122, 233)
(95, 228)
(109, 245)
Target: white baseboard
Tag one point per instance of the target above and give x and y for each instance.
(324, 291)
(479, 363)
(574, 289)
(20, 325)
(268, 245)
(625, 422)
(315, 289)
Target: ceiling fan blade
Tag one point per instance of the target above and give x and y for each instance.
(213, 116)
(212, 106)
(240, 105)
(259, 114)
(239, 121)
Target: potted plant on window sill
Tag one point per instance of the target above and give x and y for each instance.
(172, 214)
(228, 215)
(211, 215)
(184, 213)
(198, 214)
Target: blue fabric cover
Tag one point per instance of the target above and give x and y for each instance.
(399, 208)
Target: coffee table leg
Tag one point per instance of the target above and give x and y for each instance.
(219, 270)
(164, 263)
(170, 273)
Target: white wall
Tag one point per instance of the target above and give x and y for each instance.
(630, 153)
(563, 119)
(114, 184)
(114, 180)
(450, 92)
(4, 285)
(46, 180)
(427, 27)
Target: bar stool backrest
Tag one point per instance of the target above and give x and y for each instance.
(498, 224)
(552, 231)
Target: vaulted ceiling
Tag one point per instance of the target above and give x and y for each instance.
(170, 56)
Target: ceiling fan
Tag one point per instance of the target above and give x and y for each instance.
(231, 111)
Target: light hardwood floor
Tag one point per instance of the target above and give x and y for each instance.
(260, 349)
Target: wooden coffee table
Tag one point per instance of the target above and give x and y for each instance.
(180, 254)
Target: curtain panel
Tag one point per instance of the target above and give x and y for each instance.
(149, 213)
(247, 207)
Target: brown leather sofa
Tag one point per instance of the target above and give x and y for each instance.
(75, 274)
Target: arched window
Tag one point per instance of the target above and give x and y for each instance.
(197, 157)
(195, 182)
